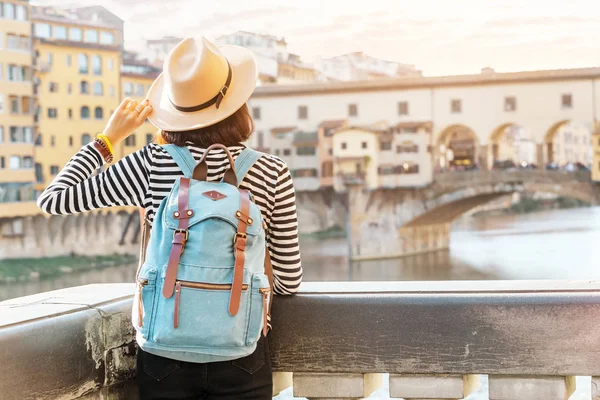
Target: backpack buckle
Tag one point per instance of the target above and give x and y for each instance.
(239, 235)
(181, 231)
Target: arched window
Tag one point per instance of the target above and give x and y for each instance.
(97, 65)
(84, 87)
(98, 113)
(85, 139)
(85, 112)
(82, 59)
(98, 89)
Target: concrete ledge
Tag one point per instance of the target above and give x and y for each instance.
(78, 342)
(336, 386)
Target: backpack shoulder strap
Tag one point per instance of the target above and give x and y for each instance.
(183, 157)
(245, 161)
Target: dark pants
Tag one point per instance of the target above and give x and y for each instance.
(160, 378)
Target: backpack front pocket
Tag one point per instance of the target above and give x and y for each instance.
(259, 307)
(197, 316)
(143, 301)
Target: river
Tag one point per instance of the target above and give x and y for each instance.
(558, 244)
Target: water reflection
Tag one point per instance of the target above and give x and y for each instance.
(556, 244)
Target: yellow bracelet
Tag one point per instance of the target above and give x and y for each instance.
(108, 143)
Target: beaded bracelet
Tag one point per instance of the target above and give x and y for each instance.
(107, 142)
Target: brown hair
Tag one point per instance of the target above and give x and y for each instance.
(232, 130)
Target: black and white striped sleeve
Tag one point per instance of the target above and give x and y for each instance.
(76, 189)
(283, 236)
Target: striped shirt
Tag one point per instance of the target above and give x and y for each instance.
(145, 177)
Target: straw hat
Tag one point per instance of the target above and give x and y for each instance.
(201, 84)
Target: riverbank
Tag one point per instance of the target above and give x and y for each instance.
(528, 205)
(32, 269)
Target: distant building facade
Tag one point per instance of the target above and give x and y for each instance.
(158, 49)
(360, 66)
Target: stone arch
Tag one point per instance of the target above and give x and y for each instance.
(457, 145)
(558, 143)
(511, 142)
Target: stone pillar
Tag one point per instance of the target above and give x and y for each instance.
(335, 385)
(539, 151)
(483, 157)
(508, 387)
(358, 196)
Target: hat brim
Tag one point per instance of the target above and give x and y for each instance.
(244, 74)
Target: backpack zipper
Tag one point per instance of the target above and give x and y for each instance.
(265, 293)
(196, 285)
(141, 284)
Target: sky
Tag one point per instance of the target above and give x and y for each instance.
(440, 37)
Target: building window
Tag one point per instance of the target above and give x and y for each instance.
(98, 90)
(27, 162)
(139, 89)
(52, 141)
(70, 113)
(510, 104)
(70, 141)
(408, 168)
(403, 108)
(9, 11)
(111, 91)
(21, 13)
(130, 140)
(456, 106)
(14, 104)
(60, 32)
(149, 138)
(39, 176)
(385, 146)
(110, 64)
(69, 88)
(1, 134)
(567, 100)
(304, 173)
(75, 34)
(306, 151)
(85, 139)
(260, 139)
(82, 59)
(256, 112)
(327, 169)
(287, 152)
(344, 145)
(21, 134)
(53, 87)
(42, 31)
(84, 87)
(17, 73)
(14, 162)
(302, 112)
(98, 113)
(38, 140)
(364, 145)
(2, 162)
(91, 36)
(26, 105)
(97, 65)
(85, 112)
(52, 113)
(128, 88)
(352, 110)
(407, 147)
(68, 60)
(385, 170)
(107, 38)
(54, 170)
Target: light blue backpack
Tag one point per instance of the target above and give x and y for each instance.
(205, 281)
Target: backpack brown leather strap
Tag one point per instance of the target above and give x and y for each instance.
(180, 236)
(239, 248)
(269, 273)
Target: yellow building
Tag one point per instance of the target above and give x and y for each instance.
(136, 77)
(78, 61)
(16, 109)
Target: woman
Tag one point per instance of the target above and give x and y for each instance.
(200, 99)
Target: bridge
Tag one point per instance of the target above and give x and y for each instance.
(530, 339)
(386, 222)
(396, 222)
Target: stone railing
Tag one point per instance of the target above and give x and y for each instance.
(332, 340)
(504, 176)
